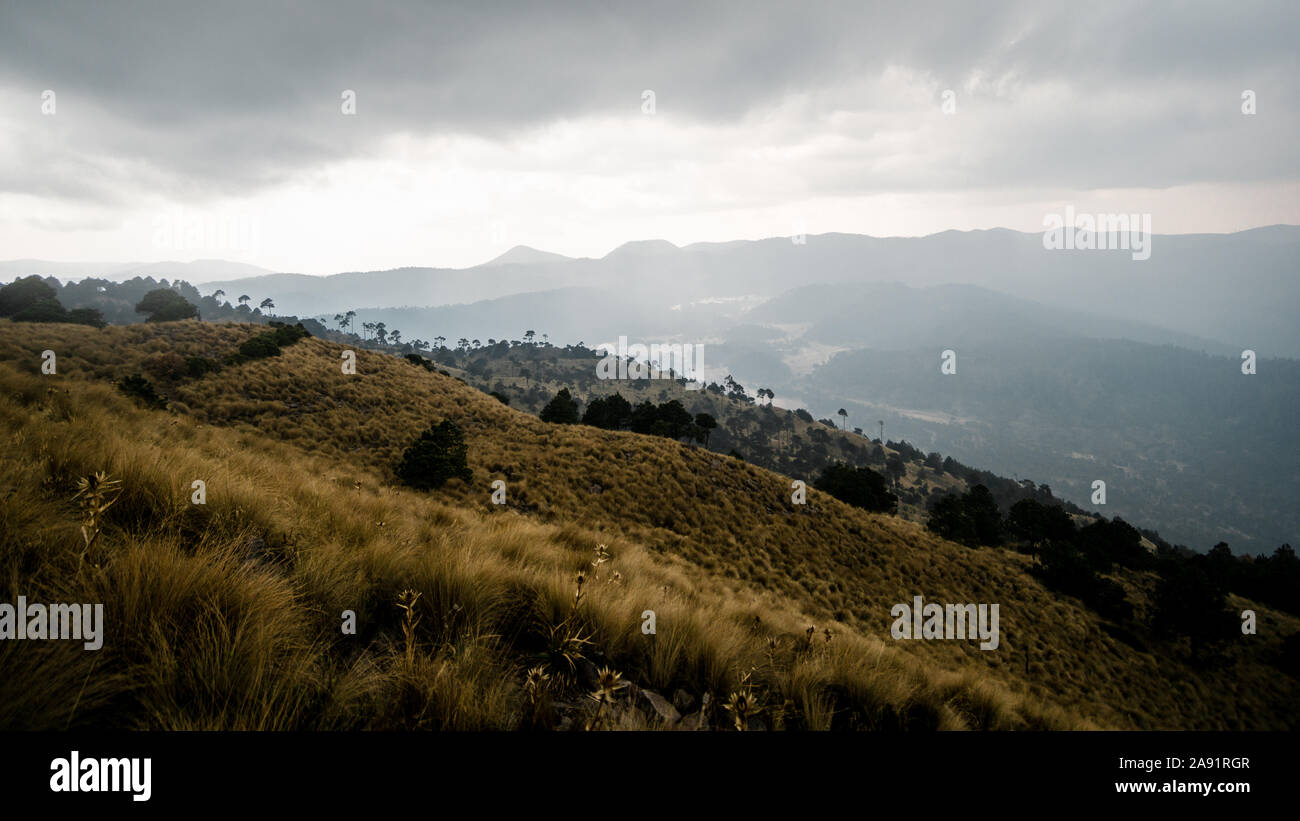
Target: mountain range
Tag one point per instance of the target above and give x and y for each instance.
(1233, 289)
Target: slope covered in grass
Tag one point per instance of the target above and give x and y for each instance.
(228, 614)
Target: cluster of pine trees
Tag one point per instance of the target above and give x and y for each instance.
(1190, 598)
(668, 419)
(859, 486)
(31, 299)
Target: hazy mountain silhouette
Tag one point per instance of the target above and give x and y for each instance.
(195, 272)
(1237, 289)
(523, 255)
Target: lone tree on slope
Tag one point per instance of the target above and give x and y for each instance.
(562, 410)
(165, 305)
(438, 455)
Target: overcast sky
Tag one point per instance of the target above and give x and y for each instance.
(218, 130)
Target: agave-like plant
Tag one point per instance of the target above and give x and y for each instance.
(92, 497)
(406, 601)
(536, 682)
(565, 644)
(608, 684)
(743, 704)
(580, 579)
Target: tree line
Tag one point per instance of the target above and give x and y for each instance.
(668, 419)
(99, 302)
(1190, 598)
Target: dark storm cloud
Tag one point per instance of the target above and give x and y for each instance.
(230, 97)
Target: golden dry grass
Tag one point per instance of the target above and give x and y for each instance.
(297, 456)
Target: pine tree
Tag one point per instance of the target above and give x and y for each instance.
(438, 455)
(562, 410)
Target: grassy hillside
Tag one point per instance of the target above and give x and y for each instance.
(227, 614)
(764, 435)
(791, 443)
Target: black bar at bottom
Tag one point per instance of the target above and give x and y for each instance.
(645, 770)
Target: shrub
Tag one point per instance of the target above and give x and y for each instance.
(287, 334)
(165, 367)
(416, 359)
(268, 343)
(861, 487)
(141, 389)
(438, 455)
(197, 366)
(87, 316)
(260, 346)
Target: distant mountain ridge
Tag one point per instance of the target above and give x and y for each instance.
(1237, 289)
(893, 316)
(524, 255)
(195, 272)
